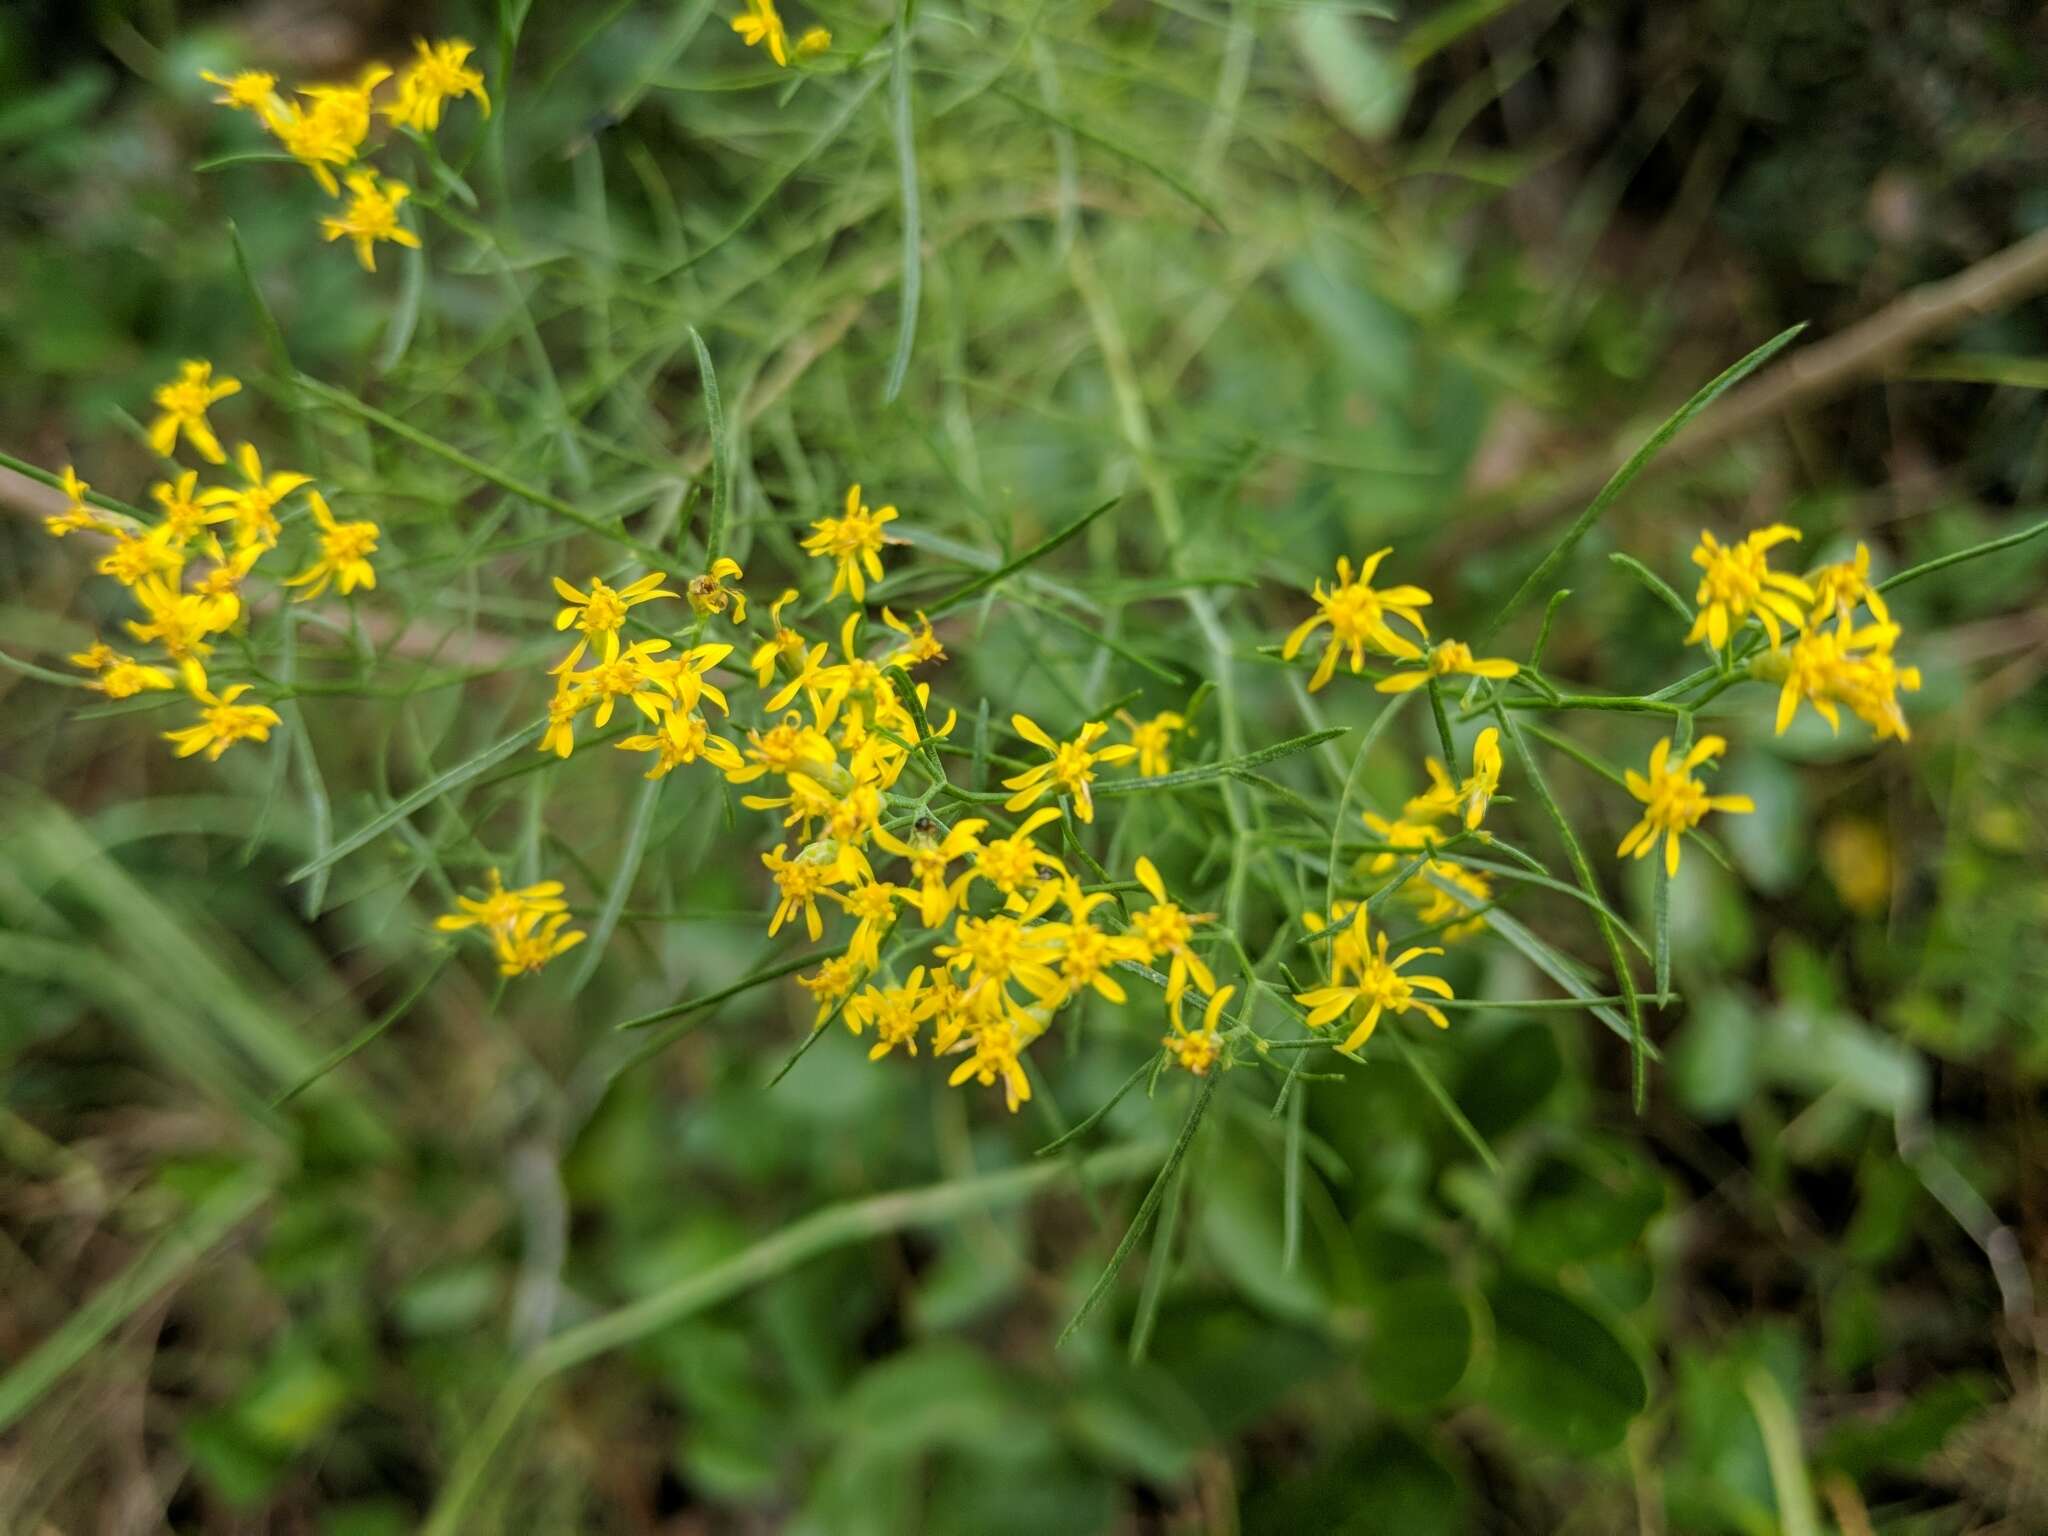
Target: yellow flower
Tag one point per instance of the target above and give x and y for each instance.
(784, 642)
(77, 517)
(1837, 664)
(798, 883)
(789, 744)
(997, 950)
(248, 90)
(930, 855)
(1086, 953)
(814, 42)
(1357, 614)
(1674, 801)
(435, 75)
(185, 517)
(1197, 1049)
(872, 905)
(136, 557)
(371, 215)
(919, 646)
(1445, 658)
(1379, 989)
(1436, 905)
(1839, 587)
(1015, 865)
(1739, 582)
(532, 942)
(1166, 930)
(500, 908)
(855, 540)
(997, 1047)
(635, 674)
(217, 594)
(709, 593)
(179, 621)
(1072, 767)
(761, 23)
(1152, 738)
(331, 131)
(182, 406)
(222, 722)
(895, 1012)
(347, 107)
(600, 613)
(1479, 790)
(568, 701)
(119, 676)
(345, 550)
(833, 980)
(682, 737)
(255, 504)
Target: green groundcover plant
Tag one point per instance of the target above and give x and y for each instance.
(797, 564)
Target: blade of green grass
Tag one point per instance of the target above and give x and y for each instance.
(1009, 568)
(902, 129)
(721, 453)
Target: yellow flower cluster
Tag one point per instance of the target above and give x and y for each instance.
(183, 606)
(762, 23)
(1013, 934)
(1416, 832)
(1364, 984)
(1830, 662)
(524, 926)
(1357, 614)
(325, 129)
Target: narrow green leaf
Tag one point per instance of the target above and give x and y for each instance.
(1202, 773)
(759, 978)
(368, 1034)
(1656, 584)
(1539, 577)
(721, 453)
(1095, 1118)
(1123, 152)
(1009, 568)
(425, 795)
(1146, 1208)
(902, 130)
(1975, 551)
(1433, 1085)
(630, 857)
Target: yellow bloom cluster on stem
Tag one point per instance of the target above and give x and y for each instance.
(326, 126)
(186, 569)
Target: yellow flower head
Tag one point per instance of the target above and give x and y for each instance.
(1086, 953)
(182, 406)
(502, 909)
(1380, 988)
(1479, 790)
(1739, 582)
(1152, 739)
(1071, 768)
(1674, 802)
(1196, 1050)
(531, 942)
(1168, 931)
(895, 1013)
(222, 721)
(998, 1048)
(682, 738)
(1357, 614)
(345, 550)
(814, 42)
(1837, 664)
(1015, 865)
(248, 90)
(437, 74)
(709, 594)
(761, 23)
(254, 506)
(834, 979)
(217, 594)
(600, 613)
(855, 538)
(329, 132)
(637, 674)
(77, 517)
(1445, 658)
(1839, 587)
(930, 856)
(371, 215)
(919, 646)
(569, 700)
(136, 557)
(184, 515)
(119, 676)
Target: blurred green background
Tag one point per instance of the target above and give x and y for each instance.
(1374, 279)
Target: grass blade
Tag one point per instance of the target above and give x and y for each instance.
(1657, 585)
(367, 1035)
(630, 858)
(1433, 1085)
(1095, 1118)
(761, 978)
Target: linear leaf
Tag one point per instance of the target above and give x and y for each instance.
(1009, 568)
